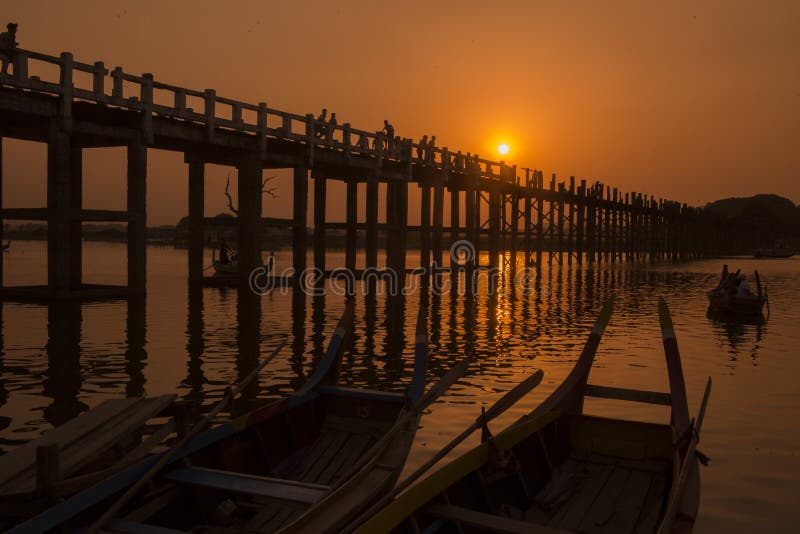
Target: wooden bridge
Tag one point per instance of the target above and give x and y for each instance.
(507, 210)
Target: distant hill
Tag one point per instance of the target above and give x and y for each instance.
(768, 211)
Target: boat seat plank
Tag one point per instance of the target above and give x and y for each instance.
(370, 394)
(603, 507)
(652, 507)
(632, 395)
(80, 440)
(324, 454)
(289, 490)
(592, 479)
(351, 451)
(132, 527)
(629, 504)
(484, 521)
(273, 514)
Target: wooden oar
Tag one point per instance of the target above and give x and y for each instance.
(504, 403)
(688, 461)
(168, 455)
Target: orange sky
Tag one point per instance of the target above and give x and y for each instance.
(687, 102)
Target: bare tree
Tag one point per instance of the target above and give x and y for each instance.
(271, 191)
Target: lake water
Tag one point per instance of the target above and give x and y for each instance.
(59, 360)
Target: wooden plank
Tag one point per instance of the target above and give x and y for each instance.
(289, 490)
(84, 453)
(324, 455)
(492, 523)
(132, 527)
(632, 395)
(153, 506)
(652, 506)
(572, 512)
(352, 450)
(23, 459)
(629, 504)
(603, 507)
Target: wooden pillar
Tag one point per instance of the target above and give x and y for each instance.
(58, 204)
(514, 229)
(196, 219)
(438, 218)
(372, 223)
(249, 247)
(1, 218)
(352, 225)
(469, 215)
(455, 234)
(571, 220)
(613, 223)
(560, 219)
(425, 226)
(320, 188)
(495, 214)
(528, 218)
(478, 200)
(299, 222)
(402, 222)
(580, 203)
(539, 220)
(137, 209)
(76, 204)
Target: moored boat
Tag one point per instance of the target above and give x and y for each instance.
(559, 470)
(267, 469)
(777, 250)
(733, 296)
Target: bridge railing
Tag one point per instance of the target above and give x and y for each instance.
(152, 97)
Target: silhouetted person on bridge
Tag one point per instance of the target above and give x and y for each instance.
(388, 131)
(422, 147)
(320, 123)
(8, 46)
(429, 151)
(330, 127)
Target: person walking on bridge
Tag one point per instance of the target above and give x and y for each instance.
(8, 45)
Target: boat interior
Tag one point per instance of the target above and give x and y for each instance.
(263, 477)
(578, 473)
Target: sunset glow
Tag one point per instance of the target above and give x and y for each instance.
(503, 149)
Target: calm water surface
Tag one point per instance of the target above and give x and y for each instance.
(57, 361)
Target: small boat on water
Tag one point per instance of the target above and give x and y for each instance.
(733, 295)
(307, 463)
(777, 250)
(558, 470)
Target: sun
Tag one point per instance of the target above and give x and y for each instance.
(503, 148)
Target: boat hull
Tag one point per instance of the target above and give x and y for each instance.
(722, 302)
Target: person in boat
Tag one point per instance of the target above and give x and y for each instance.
(224, 253)
(743, 288)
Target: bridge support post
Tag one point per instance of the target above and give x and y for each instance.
(425, 227)
(1, 216)
(299, 222)
(75, 229)
(249, 186)
(495, 216)
(137, 209)
(438, 218)
(455, 216)
(571, 220)
(371, 236)
(352, 225)
(196, 219)
(59, 244)
(320, 193)
(539, 220)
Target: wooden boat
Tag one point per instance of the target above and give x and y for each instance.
(559, 470)
(777, 250)
(725, 299)
(296, 460)
(100, 442)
